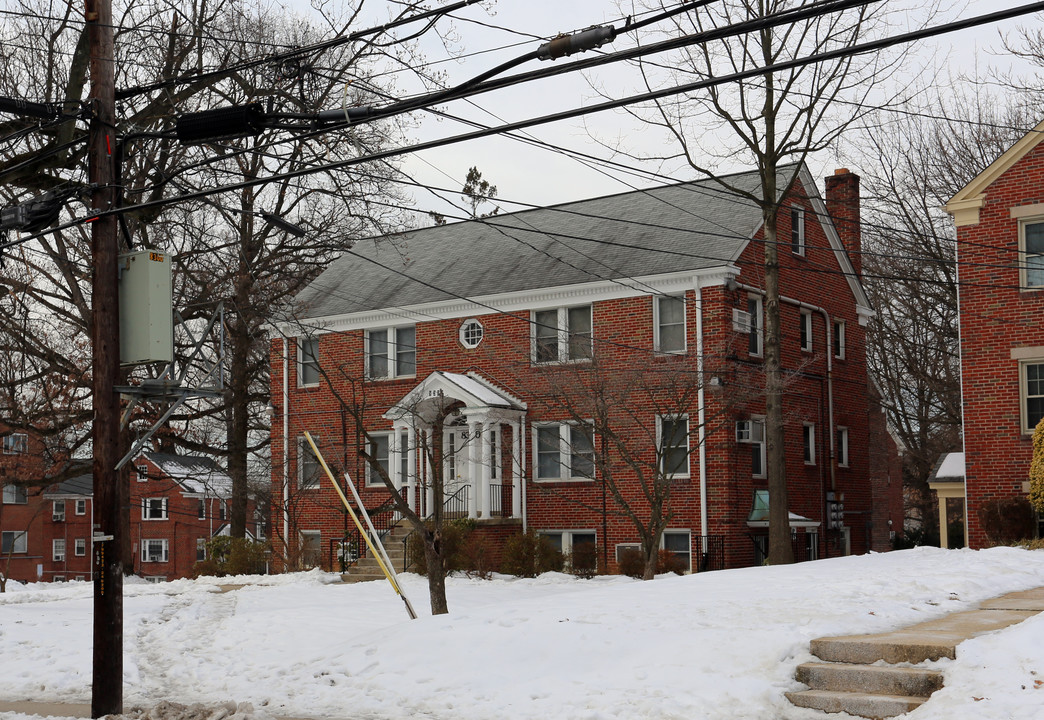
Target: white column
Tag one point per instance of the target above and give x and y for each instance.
(411, 465)
(394, 457)
(475, 442)
(486, 458)
(429, 494)
(516, 469)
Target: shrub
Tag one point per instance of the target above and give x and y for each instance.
(1007, 520)
(631, 563)
(583, 562)
(528, 555)
(232, 556)
(462, 549)
(667, 562)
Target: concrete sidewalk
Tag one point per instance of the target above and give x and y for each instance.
(852, 679)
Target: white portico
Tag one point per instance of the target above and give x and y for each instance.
(482, 446)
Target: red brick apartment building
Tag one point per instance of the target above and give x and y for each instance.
(1000, 256)
(653, 299)
(176, 504)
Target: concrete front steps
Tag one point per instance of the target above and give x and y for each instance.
(366, 568)
(860, 675)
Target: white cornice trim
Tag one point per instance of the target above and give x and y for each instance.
(962, 204)
(514, 302)
(965, 212)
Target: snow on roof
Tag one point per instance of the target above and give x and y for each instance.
(480, 390)
(196, 473)
(950, 467)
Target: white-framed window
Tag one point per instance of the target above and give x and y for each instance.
(79, 578)
(562, 334)
(80, 547)
(805, 330)
(311, 548)
(808, 442)
(752, 432)
(380, 449)
(58, 511)
(201, 549)
(201, 509)
(155, 579)
(81, 507)
(141, 473)
(679, 544)
(471, 333)
(16, 444)
(839, 339)
(1031, 394)
(748, 322)
(154, 551)
(842, 447)
(674, 445)
(307, 465)
(1031, 253)
(797, 230)
(59, 578)
(222, 510)
(154, 508)
(391, 352)
(58, 550)
(564, 451)
(569, 541)
(307, 362)
(670, 324)
(14, 542)
(15, 495)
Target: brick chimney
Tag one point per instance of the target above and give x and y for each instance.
(842, 201)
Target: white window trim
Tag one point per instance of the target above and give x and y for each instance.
(58, 550)
(81, 507)
(141, 473)
(657, 329)
(806, 324)
(303, 448)
(16, 443)
(567, 538)
(757, 325)
(688, 448)
(393, 352)
(1023, 255)
(13, 494)
(468, 330)
(843, 448)
(17, 535)
(80, 547)
(799, 239)
(565, 454)
(302, 534)
(146, 543)
(810, 429)
(372, 478)
(1024, 394)
(146, 505)
(563, 335)
(839, 339)
(752, 432)
(688, 536)
(302, 362)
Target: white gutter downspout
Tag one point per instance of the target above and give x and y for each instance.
(701, 410)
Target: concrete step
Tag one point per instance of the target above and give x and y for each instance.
(862, 704)
(871, 679)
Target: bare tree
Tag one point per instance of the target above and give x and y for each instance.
(236, 248)
(769, 120)
(915, 163)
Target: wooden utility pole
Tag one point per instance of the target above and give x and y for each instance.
(107, 685)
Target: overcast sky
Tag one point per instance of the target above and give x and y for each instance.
(531, 175)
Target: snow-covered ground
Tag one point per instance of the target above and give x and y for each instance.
(715, 645)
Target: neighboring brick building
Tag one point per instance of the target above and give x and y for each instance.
(1000, 257)
(638, 296)
(176, 503)
(23, 546)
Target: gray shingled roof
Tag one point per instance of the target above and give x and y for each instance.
(196, 473)
(79, 485)
(689, 226)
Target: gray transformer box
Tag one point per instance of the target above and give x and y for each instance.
(146, 312)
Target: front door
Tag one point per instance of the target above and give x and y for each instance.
(457, 467)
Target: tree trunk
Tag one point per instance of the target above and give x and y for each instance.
(436, 574)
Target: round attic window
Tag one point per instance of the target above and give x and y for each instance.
(471, 333)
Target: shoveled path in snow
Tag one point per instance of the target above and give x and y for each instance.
(949, 631)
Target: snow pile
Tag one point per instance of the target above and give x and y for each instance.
(715, 645)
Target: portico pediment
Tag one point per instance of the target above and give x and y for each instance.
(441, 390)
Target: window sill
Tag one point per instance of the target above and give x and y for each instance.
(389, 378)
(552, 481)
